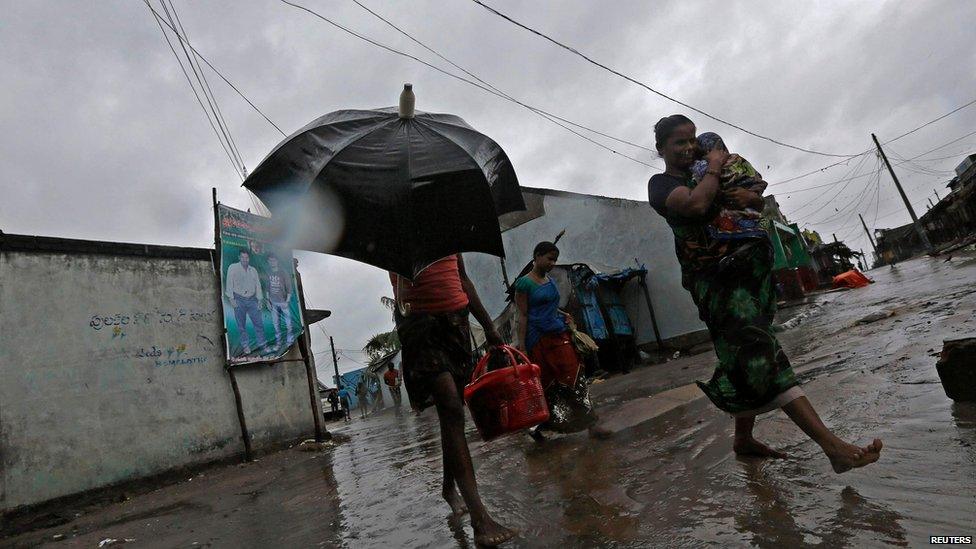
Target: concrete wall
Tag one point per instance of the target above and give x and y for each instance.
(111, 369)
(605, 231)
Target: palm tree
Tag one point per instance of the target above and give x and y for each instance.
(384, 343)
(381, 345)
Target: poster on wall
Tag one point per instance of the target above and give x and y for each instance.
(262, 313)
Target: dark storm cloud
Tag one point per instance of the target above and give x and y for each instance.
(102, 138)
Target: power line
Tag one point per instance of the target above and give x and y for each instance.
(482, 87)
(956, 140)
(506, 95)
(892, 141)
(217, 72)
(846, 181)
(930, 122)
(205, 86)
(236, 158)
(649, 88)
(930, 151)
(230, 157)
(851, 205)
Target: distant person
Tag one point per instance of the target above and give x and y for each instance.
(346, 405)
(392, 380)
(361, 393)
(244, 293)
(731, 283)
(333, 399)
(374, 387)
(432, 323)
(545, 333)
(280, 290)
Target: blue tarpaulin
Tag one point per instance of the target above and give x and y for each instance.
(587, 283)
(350, 380)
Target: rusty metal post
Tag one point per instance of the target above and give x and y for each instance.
(303, 347)
(650, 309)
(245, 435)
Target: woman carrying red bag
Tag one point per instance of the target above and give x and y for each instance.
(545, 334)
(432, 324)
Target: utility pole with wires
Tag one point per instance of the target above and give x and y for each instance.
(911, 211)
(335, 363)
(870, 238)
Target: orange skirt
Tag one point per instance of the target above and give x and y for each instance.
(557, 357)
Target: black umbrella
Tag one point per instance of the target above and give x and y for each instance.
(395, 192)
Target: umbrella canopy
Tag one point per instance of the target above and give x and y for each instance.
(396, 193)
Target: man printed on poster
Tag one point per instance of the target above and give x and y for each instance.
(257, 275)
(279, 299)
(243, 290)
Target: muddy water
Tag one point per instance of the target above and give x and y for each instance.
(673, 481)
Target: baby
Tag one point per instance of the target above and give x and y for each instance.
(731, 224)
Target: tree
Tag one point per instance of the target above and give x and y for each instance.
(382, 344)
(385, 343)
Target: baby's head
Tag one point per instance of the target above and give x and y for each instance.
(709, 141)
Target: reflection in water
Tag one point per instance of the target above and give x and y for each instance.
(673, 481)
(771, 523)
(964, 414)
(857, 514)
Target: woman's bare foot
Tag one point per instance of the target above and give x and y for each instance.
(844, 457)
(488, 533)
(457, 504)
(752, 447)
(537, 435)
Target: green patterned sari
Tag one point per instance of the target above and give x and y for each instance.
(732, 285)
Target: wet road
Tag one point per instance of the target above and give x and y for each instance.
(667, 477)
(673, 480)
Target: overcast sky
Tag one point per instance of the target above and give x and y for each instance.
(102, 138)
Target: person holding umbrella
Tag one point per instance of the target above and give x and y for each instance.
(406, 191)
(435, 338)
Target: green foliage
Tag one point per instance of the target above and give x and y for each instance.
(382, 344)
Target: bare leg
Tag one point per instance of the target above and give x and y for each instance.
(457, 459)
(843, 456)
(450, 493)
(744, 443)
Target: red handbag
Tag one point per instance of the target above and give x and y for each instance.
(508, 399)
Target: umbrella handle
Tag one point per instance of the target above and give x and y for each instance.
(402, 308)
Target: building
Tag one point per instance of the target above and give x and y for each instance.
(950, 223)
(609, 235)
(112, 370)
(378, 394)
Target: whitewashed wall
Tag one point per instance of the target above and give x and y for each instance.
(605, 231)
(111, 370)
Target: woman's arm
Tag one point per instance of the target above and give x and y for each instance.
(522, 305)
(743, 198)
(477, 308)
(696, 202)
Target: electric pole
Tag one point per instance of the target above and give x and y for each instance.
(870, 238)
(911, 211)
(335, 363)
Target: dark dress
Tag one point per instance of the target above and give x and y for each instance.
(431, 344)
(731, 282)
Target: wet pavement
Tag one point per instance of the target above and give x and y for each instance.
(667, 476)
